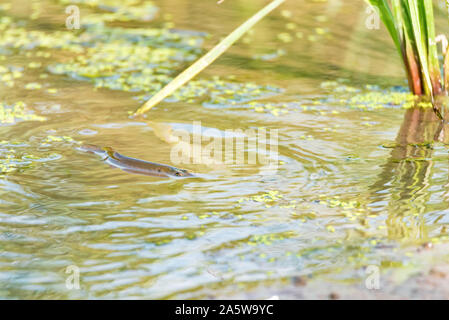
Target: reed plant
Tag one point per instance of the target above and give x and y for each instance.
(411, 24)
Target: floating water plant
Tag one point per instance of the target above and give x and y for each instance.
(130, 60)
(371, 97)
(13, 157)
(11, 114)
(208, 58)
(222, 91)
(412, 28)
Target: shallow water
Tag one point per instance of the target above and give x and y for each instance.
(361, 180)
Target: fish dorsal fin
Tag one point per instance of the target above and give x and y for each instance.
(109, 151)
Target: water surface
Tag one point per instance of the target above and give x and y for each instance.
(361, 180)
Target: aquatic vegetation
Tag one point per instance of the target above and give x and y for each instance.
(412, 28)
(208, 58)
(52, 90)
(285, 37)
(117, 10)
(10, 163)
(122, 64)
(351, 209)
(372, 97)
(270, 56)
(338, 86)
(268, 239)
(9, 74)
(131, 60)
(379, 100)
(19, 155)
(219, 91)
(112, 10)
(270, 199)
(290, 35)
(275, 109)
(51, 139)
(12, 158)
(270, 196)
(14, 36)
(16, 112)
(33, 86)
(15, 155)
(248, 227)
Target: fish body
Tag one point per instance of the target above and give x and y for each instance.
(133, 165)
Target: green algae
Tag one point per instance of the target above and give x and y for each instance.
(275, 109)
(116, 10)
(14, 36)
(371, 97)
(50, 139)
(379, 100)
(269, 239)
(111, 57)
(131, 60)
(20, 155)
(207, 59)
(17, 112)
(270, 56)
(15, 156)
(316, 34)
(119, 62)
(270, 197)
(218, 92)
(33, 86)
(273, 198)
(8, 75)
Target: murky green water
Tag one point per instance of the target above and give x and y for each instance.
(361, 180)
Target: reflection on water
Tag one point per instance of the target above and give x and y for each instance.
(407, 176)
(355, 186)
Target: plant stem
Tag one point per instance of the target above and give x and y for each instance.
(434, 65)
(208, 58)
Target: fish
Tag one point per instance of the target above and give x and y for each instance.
(133, 165)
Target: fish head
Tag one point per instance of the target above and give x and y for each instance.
(91, 148)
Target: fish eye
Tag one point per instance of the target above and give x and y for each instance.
(177, 173)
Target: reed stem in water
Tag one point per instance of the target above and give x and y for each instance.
(207, 59)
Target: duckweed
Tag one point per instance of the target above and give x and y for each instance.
(222, 91)
(133, 60)
(13, 159)
(270, 196)
(33, 86)
(117, 10)
(268, 239)
(371, 97)
(10, 114)
(8, 75)
(275, 109)
(285, 37)
(270, 56)
(14, 36)
(270, 199)
(51, 138)
(377, 100)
